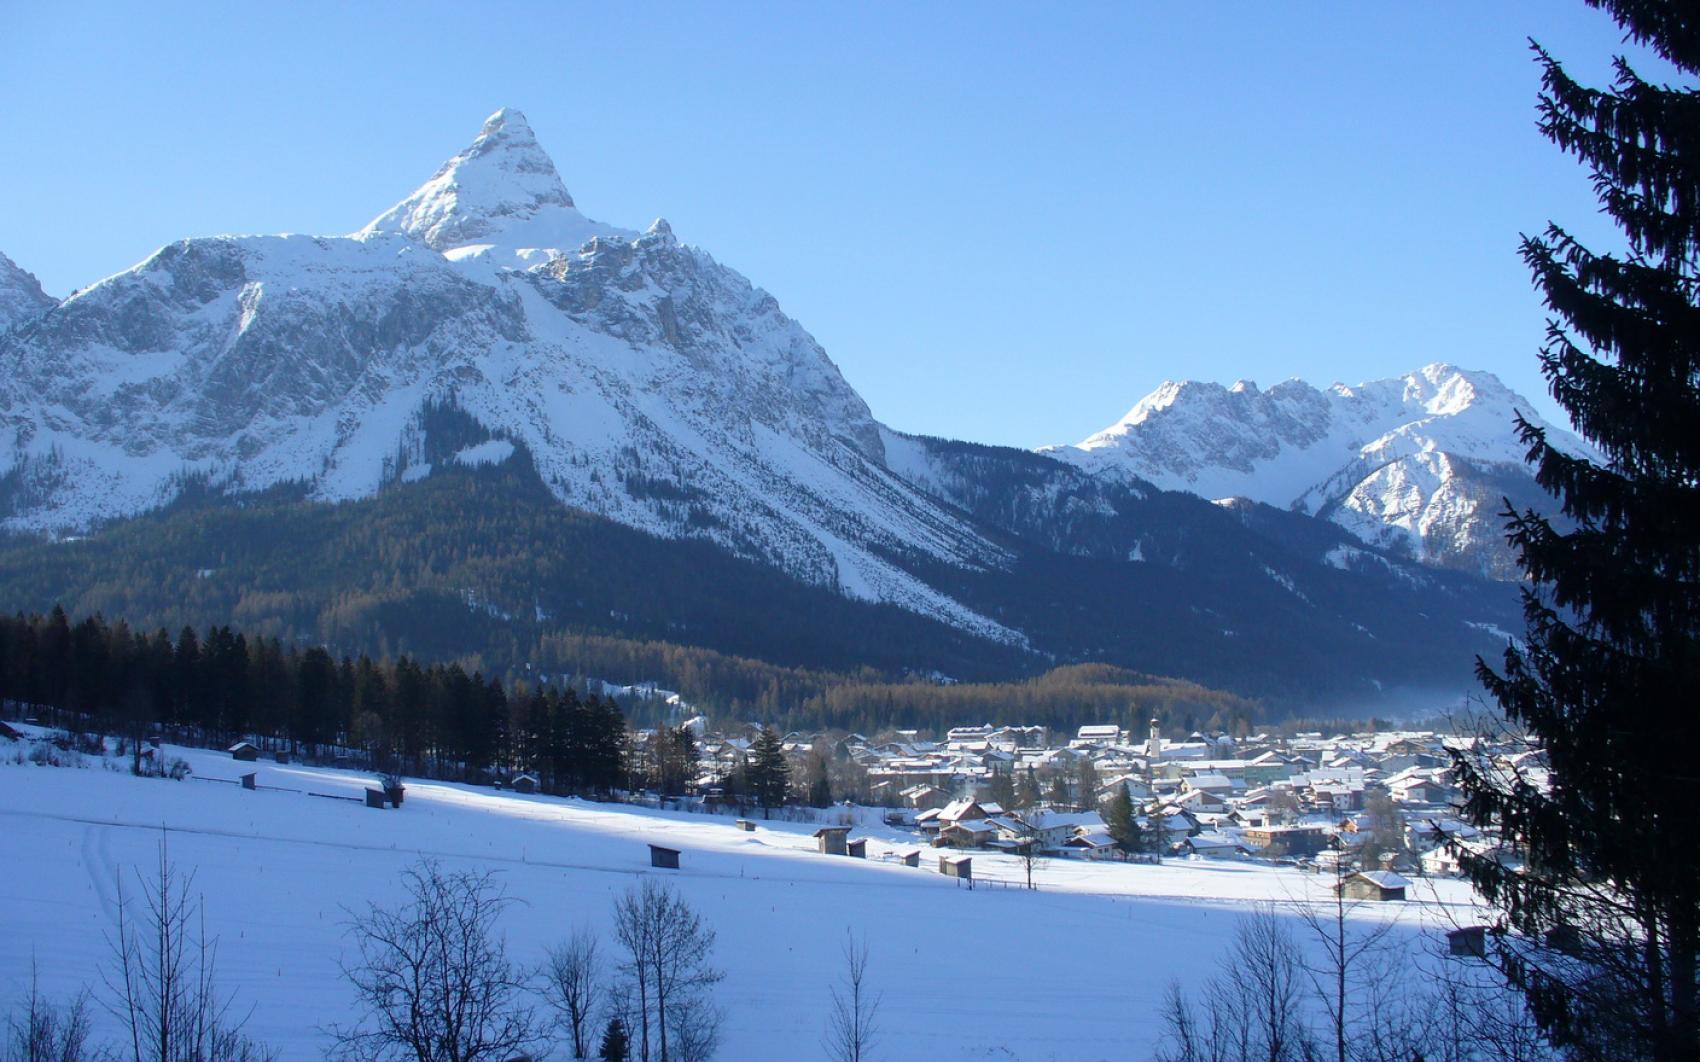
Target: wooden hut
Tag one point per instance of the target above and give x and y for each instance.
(857, 849)
(958, 867)
(524, 783)
(833, 840)
(251, 780)
(666, 858)
(746, 825)
(912, 859)
(1470, 941)
(246, 751)
(1373, 885)
(375, 798)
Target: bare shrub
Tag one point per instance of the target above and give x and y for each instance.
(42, 1031)
(1253, 1008)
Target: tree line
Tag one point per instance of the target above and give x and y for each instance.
(217, 686)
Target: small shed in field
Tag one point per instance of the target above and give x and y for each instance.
(524, 783)
(251, 780)
(1470, 941)
(833, 840)
(746, 825)
(245, 751)
(959, 867)
(858, 848)
(1374, 885)
(666, 858)
(912, 859)
(375, 798)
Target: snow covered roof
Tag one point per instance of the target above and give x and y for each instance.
(959, 807)
(1213, 839)
(1210, 781)
(1091, 839)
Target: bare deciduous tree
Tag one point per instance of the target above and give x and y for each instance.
(1351, 963)
(161, 979)
(572, 985)
(1028, 847)
(851, 1027)
(667, 963)
(434, 977)
(47, 1032)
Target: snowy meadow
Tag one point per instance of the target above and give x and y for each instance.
(1076, 970)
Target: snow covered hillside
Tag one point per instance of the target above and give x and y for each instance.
(1418, 464)
(1073, 972)
(647, 382)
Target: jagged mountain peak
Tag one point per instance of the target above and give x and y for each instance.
(21, 297)
(642, 380)
(501, 197)
(1417, 462)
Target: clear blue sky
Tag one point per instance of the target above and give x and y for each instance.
(1004, 222)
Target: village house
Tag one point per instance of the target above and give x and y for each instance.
(1288, 841)
(1103, 734)
(1094, 845)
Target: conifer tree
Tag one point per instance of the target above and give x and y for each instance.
(1604, 918)
(769, 774)
(1026, 790)
(616, 1044)
(1120, 820)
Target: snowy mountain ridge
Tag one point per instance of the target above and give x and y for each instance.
(485, 325)
(647, 382)
(1417, 463)
(21, 297)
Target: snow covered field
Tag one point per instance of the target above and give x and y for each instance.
(1072, 972)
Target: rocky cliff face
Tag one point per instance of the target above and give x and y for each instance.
(21, 297)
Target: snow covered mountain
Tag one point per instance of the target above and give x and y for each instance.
(21, 297)
(647, 382)
(1418, 464)
(484, 336)
(500, 198)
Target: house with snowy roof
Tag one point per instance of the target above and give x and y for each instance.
(1380, 885)
(1094, 844)
(1217, 844)
(1098, 734)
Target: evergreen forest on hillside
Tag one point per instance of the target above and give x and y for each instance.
(485, 567)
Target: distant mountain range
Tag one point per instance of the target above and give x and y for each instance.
(484, 334)
(1420, 465)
